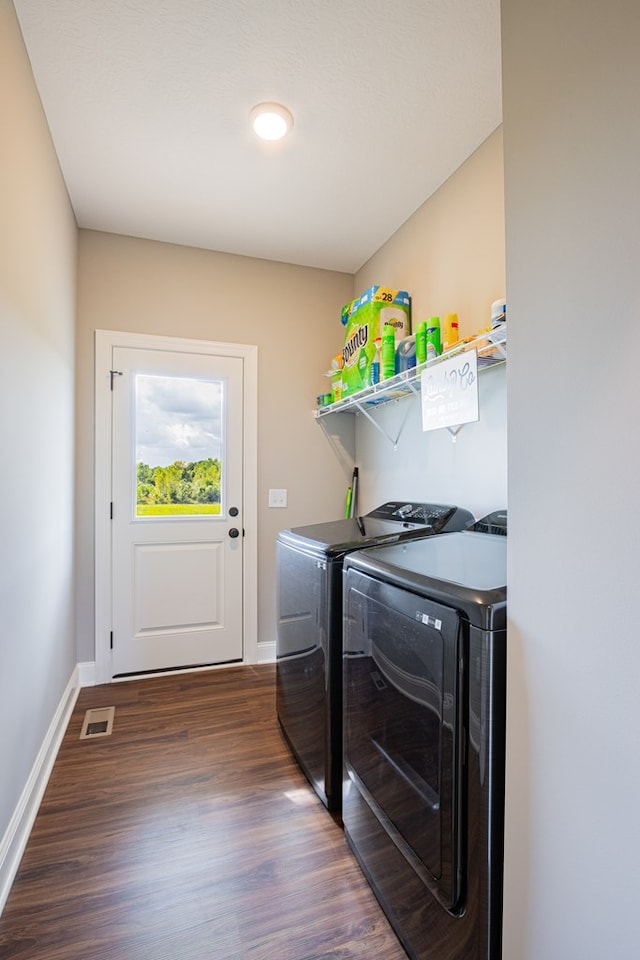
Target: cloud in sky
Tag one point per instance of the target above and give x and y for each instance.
(177, 419)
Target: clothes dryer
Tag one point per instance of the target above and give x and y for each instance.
(424, 704)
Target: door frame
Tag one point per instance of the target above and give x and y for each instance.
(105, 341)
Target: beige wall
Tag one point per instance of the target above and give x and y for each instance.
(291, 313)
(37, 290)
(450, 256)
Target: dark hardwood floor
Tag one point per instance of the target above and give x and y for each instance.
(188, 834)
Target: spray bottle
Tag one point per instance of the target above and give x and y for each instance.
(433, 335)
(388, 352)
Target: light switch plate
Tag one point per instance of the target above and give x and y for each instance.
(277, 498)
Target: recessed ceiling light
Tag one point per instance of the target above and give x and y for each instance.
(271, 121)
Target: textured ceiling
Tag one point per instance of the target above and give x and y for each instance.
(148, 103)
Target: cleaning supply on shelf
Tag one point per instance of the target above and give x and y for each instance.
(433, 336)
(364, 319)
(421, 343)
(336, 377)
(451, 332)
(498, 312)
(406, 354)
(388, 352)
(375, 363)
(346, 311)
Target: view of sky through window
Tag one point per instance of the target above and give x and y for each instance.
(177, 419)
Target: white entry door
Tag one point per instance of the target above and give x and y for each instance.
(177, 525)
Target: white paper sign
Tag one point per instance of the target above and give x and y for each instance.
(450, 392)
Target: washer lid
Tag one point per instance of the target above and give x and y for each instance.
(468, 569)
(389, 523)
(341, 536)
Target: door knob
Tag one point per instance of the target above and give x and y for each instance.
(234, 532)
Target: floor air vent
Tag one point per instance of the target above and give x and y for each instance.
(97, 723)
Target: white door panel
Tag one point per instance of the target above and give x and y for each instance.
(173, 586)
(177, 510)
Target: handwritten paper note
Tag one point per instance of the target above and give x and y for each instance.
(450, 392)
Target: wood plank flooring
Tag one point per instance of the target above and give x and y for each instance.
(188, 834)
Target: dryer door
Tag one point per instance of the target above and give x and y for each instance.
(403, 723)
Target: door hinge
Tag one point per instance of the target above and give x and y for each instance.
(113, 374)
(111, 510)
(111, 640)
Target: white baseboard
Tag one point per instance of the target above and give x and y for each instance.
(267, 652)
(87, 674)
(17, 833)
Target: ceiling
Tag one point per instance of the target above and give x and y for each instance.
(148, 104)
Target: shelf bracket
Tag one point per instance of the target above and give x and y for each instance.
(500, 346)
(393, 441)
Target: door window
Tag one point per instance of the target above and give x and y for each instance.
(179, 446)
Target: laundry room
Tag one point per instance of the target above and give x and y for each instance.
(534, 710)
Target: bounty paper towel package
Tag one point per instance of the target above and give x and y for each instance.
(364, 319)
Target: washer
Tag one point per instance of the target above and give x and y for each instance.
(309, 626)
(424, 700)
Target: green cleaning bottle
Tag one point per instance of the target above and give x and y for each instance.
(388, 352)
(433, 335)
(421, 343)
